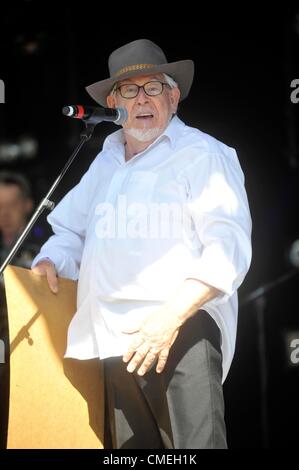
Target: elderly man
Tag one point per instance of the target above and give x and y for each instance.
(158, 233)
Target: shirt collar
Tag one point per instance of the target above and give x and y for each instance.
(173, 130)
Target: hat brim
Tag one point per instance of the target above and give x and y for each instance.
(182, 72)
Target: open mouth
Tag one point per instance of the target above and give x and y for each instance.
(145, 116)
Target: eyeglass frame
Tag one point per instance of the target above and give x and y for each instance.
(142, 86)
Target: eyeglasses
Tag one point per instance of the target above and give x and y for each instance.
(131, 90)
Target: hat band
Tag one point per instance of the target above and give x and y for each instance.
(131, 68)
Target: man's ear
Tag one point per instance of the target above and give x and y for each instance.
(111, 101)
(175, 98)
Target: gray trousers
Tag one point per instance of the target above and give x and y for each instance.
(181, 408)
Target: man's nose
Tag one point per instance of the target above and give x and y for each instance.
(142, 97)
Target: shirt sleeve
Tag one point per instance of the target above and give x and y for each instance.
(69, 221)
(221, 222)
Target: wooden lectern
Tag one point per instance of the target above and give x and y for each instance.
(55, 403)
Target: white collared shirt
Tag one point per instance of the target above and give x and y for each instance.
(132, 232)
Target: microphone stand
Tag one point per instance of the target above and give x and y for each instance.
(258, 297)
(46, 203)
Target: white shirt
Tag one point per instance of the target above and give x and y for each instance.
(132, 232)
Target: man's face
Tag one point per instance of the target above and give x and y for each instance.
(148, 116)
(14, 209)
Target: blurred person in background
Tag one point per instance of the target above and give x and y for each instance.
(15, 206)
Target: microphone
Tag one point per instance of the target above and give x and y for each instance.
(95, 115)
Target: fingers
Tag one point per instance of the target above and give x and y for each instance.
(164, 353)
(148, 361)
(52, 279)
(148, 356)
(145, 356)
(138, 357)
(162, 359)
(174, 337)
(47, 268)
(142, 353)
(133, 348)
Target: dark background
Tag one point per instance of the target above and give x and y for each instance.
(245, 59)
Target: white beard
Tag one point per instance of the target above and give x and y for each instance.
(144, 135)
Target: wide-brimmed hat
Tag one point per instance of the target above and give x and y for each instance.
(141, 57)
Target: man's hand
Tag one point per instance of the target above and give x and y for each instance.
(152, 341)
(154, 338)
(45, 267)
